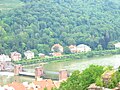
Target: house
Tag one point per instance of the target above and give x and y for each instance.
(5, 58)
(45, 83)
(6, 88)
(13, 86)
(15, 56)
(83, 48)
(57, 50)
(4, 62)
(16, 86)
(29, 54)
(117, 45)
(106, 76)
(41, 84)
(73, 48)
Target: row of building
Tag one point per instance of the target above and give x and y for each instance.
(57, 50)
(15, 56)
(72, 48)
(41, 84)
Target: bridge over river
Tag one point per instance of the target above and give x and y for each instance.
(32, 74)
(38, 72)
(52, 69)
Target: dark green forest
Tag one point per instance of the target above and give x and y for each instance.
(39, 24)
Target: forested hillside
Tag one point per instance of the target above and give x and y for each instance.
(9, 4)
(41, 23)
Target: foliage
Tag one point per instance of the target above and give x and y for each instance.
(9, 4)
(111, 45)
(113, 82)
(99, 82)
(90, 54)
(45, 89)
(41, 23)
(67, 50)
(56, 49)
(115, 79)
(108, 68)
(80, 81)
(99, 47)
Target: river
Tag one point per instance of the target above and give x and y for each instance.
(53, 68)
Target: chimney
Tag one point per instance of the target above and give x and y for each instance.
(39, 72)
(63, 74)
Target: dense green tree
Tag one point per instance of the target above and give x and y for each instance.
(67, 50)
(99, 47)
(80, 81)
(66, 22)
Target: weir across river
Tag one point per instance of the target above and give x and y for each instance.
(27, 74)
(31, 74)
(39, 72)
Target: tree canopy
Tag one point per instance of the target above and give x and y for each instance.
(81, 81)
(41, 23)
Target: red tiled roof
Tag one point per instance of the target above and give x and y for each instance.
(57, 54)
(57, 45)
(72, 46)
(47, 83)
(17, 86)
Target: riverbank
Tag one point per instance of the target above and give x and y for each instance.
(69, 57)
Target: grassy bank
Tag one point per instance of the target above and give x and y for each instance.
(68, 57)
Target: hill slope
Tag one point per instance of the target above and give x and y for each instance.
(9, 4)
(41, 23)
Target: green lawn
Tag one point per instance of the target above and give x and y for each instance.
(9, 4)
